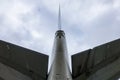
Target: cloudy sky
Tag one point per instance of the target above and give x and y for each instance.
(32, 23)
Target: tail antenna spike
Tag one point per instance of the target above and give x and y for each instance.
(59, 18)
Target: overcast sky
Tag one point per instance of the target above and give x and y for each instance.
(32, 23)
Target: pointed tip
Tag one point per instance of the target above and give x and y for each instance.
(59, 18)
(59, 6)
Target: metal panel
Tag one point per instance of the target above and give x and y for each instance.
(113, 48)
(107, 72)
(8, 73)
(99, 54)
(99, 58)
(106, 51)
(1, 78)
(79, 63)
(26, 61)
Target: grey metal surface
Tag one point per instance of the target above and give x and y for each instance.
(79, 63)
(100, 63)
(8, 73)
(107, 72)
(60, 68)
(1, 78)
(28, 62)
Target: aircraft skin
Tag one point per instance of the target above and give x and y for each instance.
(60, 68)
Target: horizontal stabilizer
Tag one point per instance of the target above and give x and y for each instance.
(25, 61)
(99, 63)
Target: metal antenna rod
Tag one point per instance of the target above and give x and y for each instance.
(59, 18)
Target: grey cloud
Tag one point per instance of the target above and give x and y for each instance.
(81, 33)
